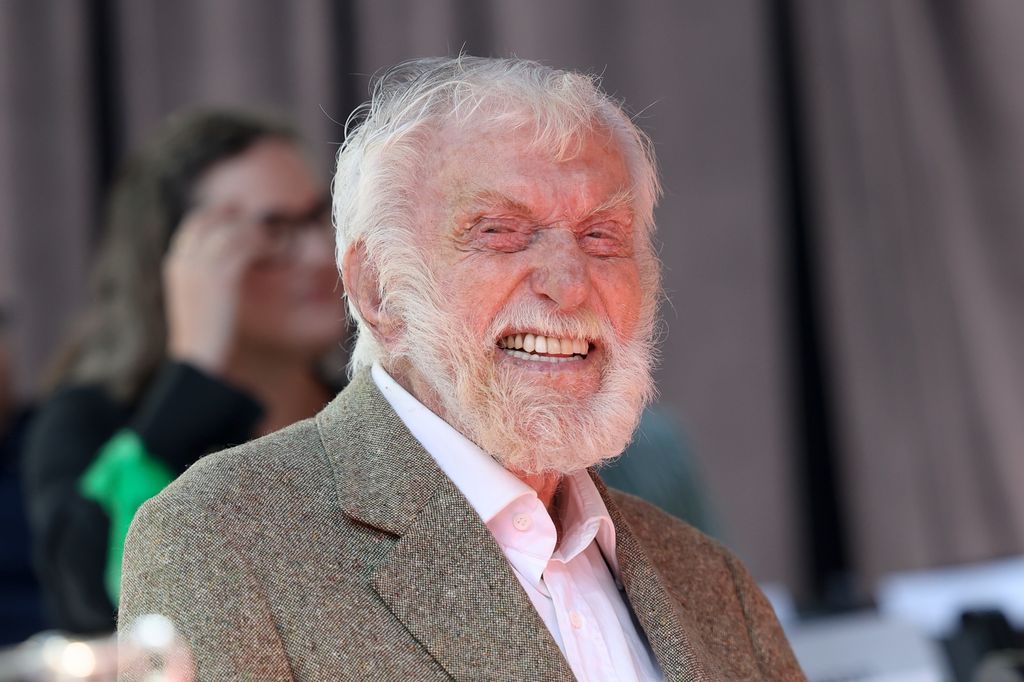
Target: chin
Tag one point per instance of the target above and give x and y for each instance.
(533, 428)
(309, 346)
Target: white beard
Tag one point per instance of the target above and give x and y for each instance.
(524, 425)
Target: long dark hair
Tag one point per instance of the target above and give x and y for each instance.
(120, 339)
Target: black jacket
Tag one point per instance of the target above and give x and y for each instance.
(182, 415)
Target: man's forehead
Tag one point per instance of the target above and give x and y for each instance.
(503, 173)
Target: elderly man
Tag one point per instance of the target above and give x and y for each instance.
(440, 518)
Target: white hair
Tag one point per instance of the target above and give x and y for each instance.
(383, 157)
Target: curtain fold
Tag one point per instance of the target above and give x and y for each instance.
(48, 185)
(916, 154)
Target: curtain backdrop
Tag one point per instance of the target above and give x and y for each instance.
(916, 119)
(913, 139)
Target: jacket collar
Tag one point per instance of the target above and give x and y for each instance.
(663, 620)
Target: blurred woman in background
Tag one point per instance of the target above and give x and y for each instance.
(215, 300)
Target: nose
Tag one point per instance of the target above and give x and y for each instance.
(313, 247)
(560, 273)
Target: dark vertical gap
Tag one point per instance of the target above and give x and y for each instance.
(106, 99)
(827, 558)
(344, 35)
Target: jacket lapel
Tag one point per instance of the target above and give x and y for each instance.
(449, 583)
(445, 578)
(665, 626)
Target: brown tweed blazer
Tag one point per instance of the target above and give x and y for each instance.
(336, 549)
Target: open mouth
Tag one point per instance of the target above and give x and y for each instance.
(537, 348)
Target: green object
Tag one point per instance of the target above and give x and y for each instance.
(121, 479)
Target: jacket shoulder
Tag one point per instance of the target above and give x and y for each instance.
(657, 529)
(268, 466)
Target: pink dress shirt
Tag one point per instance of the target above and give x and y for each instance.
(574, 584)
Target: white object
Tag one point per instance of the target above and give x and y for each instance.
(782, 602)
(867, 648)
(933, 600)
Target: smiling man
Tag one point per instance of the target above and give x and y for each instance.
(440, 518)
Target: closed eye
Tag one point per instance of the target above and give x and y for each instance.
(498, 234)
(496, 228)
(605, 239)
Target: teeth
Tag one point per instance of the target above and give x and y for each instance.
(542, 358)
(544, 345)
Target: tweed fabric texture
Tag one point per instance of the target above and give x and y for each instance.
(336, 549)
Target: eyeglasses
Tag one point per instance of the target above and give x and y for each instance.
(286, 230)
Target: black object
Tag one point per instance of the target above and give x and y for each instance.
(982, 632)
(22, 613)
(183, 414)
(1007, 666)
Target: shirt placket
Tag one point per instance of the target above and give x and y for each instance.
(584, 642)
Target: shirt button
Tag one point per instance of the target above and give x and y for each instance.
(576, 619)
(522, 521)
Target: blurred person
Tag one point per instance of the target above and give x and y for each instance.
(659, 466)
(214, 301)
(21, 604)
(440, 519)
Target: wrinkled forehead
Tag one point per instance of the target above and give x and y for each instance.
(508, 167)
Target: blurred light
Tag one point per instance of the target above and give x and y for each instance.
(78, 660)
(51, 649)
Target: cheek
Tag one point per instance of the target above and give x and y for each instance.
(267, 307)
(619, 288)
(479, 289)
(264, 287)
(275, 307)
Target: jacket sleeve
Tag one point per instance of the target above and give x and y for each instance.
(69, 532)
(187, 413)
(771, 647)
(180, 563)
(182, 415)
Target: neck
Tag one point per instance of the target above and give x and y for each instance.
(284, 384)
(546, 486)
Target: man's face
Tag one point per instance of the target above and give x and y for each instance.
(541, 352)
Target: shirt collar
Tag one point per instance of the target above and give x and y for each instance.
(585, 518)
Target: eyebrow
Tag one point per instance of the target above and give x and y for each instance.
(493, 199)
(315, 210)
(621, 200)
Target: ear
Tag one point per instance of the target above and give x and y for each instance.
(362, 284)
